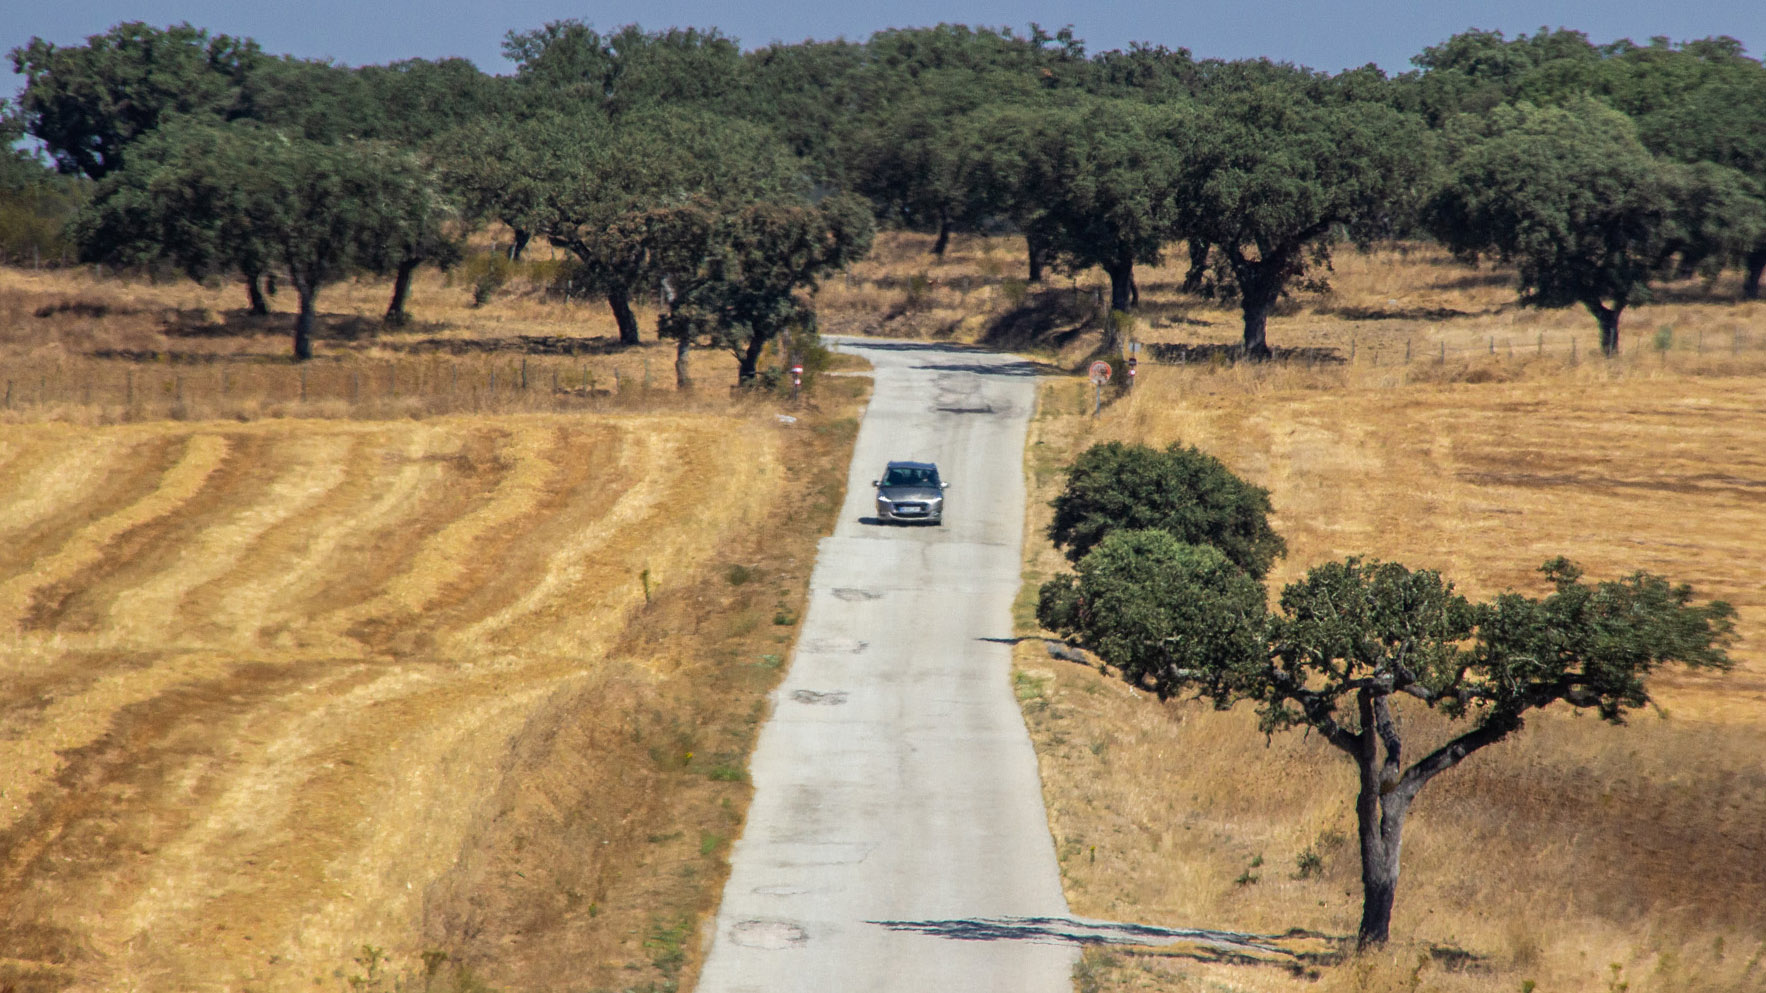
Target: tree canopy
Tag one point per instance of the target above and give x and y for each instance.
(1572, 198)
(1273, 178)
(1184, 492)
(87, 103)
(1099, 160)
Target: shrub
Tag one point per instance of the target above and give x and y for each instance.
(1181, 491)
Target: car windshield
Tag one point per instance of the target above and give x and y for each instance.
(906, 476)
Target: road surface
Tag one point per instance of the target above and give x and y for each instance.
(897, 839)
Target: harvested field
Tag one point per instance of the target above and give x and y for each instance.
(1575, 856)
(290, 703)
(1548, 857)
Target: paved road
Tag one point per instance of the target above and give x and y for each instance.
(897, 839)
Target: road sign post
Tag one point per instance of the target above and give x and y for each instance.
(1100, 374)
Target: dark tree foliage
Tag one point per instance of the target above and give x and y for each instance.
(242, 199)
(569, 64)
(1105, 177)
(916, 160)
(1163, 612)
(36, 201)
(1358, 640)
(616, 173)
(87, 103)
(510, 170)
(1572, 198)
(1181, 491)
(188, 198)
(810, 93)
(1722, 123)
(1273, 176)
(741, 276)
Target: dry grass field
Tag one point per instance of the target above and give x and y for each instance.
(356, 692)
(1573, 857)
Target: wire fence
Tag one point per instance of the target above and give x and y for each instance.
(1664, 345)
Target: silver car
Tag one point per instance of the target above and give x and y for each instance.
(910, 491)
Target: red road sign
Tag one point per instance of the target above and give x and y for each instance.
(1100, 372)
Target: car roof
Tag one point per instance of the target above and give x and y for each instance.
(912, 465)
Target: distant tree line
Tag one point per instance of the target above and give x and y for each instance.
(1596, 170)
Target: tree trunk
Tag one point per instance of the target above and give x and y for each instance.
(303, 322)
(1256, 312)
(522, 237)
(683, 344)
(1034, 250)
(1121, 284)
(623, 316)
(1755, 265)
(748, 361)
(1608, 318)
(1260, 285)
(1379, 815)
(943, 241)
(254, 288)
(396, 315)
(1134, 291)
(1192, 280)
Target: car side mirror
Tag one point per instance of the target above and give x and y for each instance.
(944, 486)
(875, 483)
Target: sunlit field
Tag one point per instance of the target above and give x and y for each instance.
(1575, 856)
(413, 681)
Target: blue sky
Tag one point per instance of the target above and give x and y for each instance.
(1324, 35)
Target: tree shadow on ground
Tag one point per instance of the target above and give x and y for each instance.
(1049, 319)
(1297, 950)
(524, 344)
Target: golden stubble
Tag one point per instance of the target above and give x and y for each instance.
(257, 693)
(1551, 857)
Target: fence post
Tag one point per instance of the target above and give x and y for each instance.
(1542, 342)
(303, 383)
(1407, 351)
(392, 380)
(355, 386)
(128, 390)
(1492, 344)
(1443, 359)
(524, 372)
(9, 394)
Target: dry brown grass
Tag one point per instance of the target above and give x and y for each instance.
(1382, 306)
(278, 688)
(1548, 858)
(82, 347)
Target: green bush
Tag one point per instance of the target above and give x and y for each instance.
(1181, 491)
(486, 273)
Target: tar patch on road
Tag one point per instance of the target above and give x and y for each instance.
(851, 595)
(773, 935)
(832, 698)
